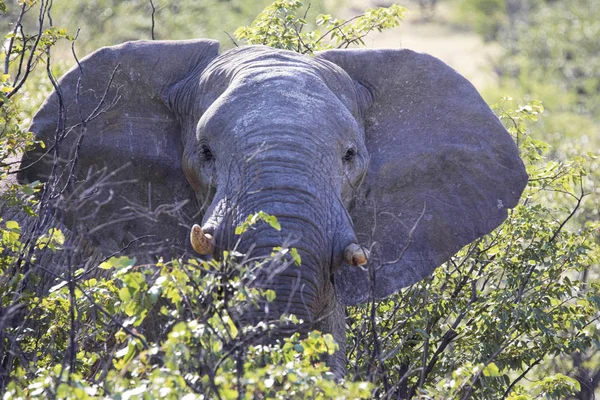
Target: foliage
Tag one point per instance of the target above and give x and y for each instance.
(549, 49)
(499, 308)
(569, 60)
(200, 346)
(279, 26)
(503, 308)
(487, 17)
(107, 22)
(549, 52)
(255, 218)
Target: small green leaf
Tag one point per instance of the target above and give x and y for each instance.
(233, 330)
(125, 294)
(272, 220)
(270, 295)
(120, 263)
(13, 226)
(491, 370)
(120, 336)
(296, 256)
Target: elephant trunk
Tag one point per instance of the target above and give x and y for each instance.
(310, 223)
(297, 281)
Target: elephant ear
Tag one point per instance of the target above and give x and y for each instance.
(118, 143)
(443, 170)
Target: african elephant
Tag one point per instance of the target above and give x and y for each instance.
(389, 155)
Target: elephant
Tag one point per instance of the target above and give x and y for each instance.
(379, 165)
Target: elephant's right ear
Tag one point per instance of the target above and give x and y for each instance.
(118, 143)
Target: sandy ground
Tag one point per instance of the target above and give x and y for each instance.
(463, 50)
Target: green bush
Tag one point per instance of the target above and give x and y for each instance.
(502, 310)
(503, 306)
(558, 45)
(204, 349)
(279, 26)
(107, 22)
(487, 17)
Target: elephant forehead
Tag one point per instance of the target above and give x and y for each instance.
(277, 99)
(291, 86)
(265, 64)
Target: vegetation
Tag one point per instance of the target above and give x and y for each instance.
(513, 315)
(279, 26)
(107, 22)
(549, 52)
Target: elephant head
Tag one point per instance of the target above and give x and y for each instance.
(387, 152)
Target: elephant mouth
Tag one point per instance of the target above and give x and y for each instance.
(203, 243)
(290, 269)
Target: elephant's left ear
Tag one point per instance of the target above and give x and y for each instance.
(443, 169)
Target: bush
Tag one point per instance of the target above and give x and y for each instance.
(557, 44)
(505, 306)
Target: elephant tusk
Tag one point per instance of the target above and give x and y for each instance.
(356, 255)
(202, 242)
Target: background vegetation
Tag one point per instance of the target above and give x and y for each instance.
(514, 315)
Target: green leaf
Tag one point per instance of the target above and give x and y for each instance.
(272, 221)
(120, 336)
(13, 226)
(125, 294)
(491, 370)
(269, 295)
(296, 256)
(121, 263)
(254, 218)
(233, 330)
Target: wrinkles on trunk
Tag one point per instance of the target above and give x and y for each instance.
(297, 287)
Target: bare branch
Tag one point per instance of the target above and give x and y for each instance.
(579, 199)
(12, 39)
(32, 56)
(152, 16)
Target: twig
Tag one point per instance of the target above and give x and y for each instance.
(153, 12)
(111, 317)
(487, 362)
(231, 38)
(12, 39)
(337, 27)
(410, 238)
(572, 212)
(304, 17)
(372, 320)
(28, 69)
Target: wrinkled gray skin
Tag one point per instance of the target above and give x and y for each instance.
(387, 148)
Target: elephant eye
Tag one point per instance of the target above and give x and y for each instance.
(206, 153)
(350, 154)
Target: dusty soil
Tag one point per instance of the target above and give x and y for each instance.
(464, 50)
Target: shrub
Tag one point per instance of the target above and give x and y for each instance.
(503, 307)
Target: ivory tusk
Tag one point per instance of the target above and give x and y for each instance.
(356, 255)
(202, 242)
